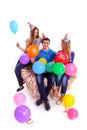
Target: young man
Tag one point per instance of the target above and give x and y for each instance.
(49, 55)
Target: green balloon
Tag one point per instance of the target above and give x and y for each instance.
(49, 66)
(58, 68)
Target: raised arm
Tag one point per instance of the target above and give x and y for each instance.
(22, 49)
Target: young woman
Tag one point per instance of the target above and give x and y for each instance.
(62, 80)
(33, 39)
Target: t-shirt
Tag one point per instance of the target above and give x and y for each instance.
(49, 55)
(37, 41)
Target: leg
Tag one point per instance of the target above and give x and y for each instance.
(50, 82)
(64, 84)
(43, 94)
(40, 83)
(58, 79)
(64, 88)
(18, 68)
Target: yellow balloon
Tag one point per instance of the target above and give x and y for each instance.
(68, 100)
(43, 60)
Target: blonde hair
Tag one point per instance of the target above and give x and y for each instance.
(66, 47)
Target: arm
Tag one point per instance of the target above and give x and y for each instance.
(19, 47)
(72, 56)
(22, 49)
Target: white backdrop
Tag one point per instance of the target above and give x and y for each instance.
(54, 18)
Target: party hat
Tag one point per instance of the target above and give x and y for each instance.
(31, 26)
(66, 39)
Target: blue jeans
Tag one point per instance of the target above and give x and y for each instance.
(18, 68)
(44, 92)
(63, 81)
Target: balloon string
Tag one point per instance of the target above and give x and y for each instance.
(29, 122)
(65, 109)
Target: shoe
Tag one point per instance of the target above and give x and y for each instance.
(54, 94)
(47, 105)
(20, 88)
(38, 102)
(59, 101)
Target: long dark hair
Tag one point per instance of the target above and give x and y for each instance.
(31, 39)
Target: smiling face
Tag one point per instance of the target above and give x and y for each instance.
(45, 44)
(36, 32)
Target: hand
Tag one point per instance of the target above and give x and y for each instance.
(17, 44)
(43, 36)
(32, 60)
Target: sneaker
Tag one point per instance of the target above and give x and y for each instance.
(38, 102)
(20, 88)
(47, 105)
(59, 101)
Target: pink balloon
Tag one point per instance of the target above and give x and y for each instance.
(71, 69)
(72, 113)
(19, 98)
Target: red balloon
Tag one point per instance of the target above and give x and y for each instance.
(33, 51)
(62, 57)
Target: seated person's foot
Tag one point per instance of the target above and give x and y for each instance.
(20, 88)
(38, 102)
(47, 105)
(59, 101)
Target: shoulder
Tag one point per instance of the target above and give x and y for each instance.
(52, 50)
(72, 53)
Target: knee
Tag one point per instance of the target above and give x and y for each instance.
(38, 79)
(16, 70)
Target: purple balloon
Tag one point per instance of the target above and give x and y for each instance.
(22, 113)
(24, 59)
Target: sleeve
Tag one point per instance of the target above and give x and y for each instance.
(72, 56)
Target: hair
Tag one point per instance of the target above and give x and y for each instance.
(46, 38)
(66, 48)
(32, 35)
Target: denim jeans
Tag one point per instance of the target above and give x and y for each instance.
(63, 81)
(18, 68)
(44, 92)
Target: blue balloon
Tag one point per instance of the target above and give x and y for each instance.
(38, 67)
(14, 26)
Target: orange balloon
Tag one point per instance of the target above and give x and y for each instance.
(33, 51)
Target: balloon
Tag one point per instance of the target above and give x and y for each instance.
(49, 66)
(68, 100)
(38, 67)
(62, 57)
(24, 59)
(72, 113)
(43, 60)
(14, 26)
(19, 98)
(71, 69)
(58, 68)
(33, 51)
(22, 113)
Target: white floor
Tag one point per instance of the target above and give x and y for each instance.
(72, 21)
